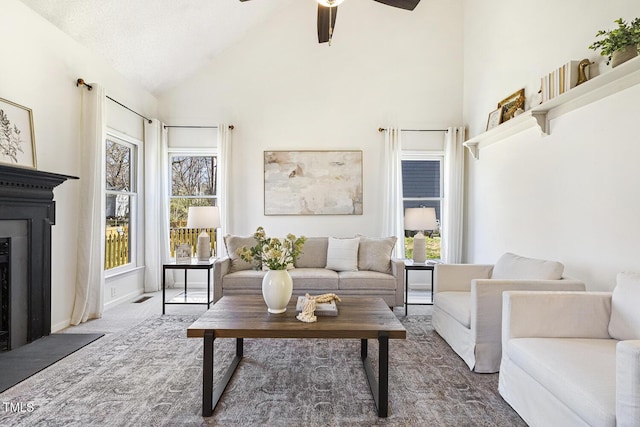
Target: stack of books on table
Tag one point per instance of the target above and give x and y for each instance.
(322, 309)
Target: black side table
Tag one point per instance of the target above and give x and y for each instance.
(408, 266)
(184, 297)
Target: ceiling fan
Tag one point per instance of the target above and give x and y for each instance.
(328, 9)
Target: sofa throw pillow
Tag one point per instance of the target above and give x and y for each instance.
(232, 243)
(342, 254)
(625, 316)
(374, 254)
(512, 266)
(314, 253)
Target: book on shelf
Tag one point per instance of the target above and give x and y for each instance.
(322, 308)
(560, 80)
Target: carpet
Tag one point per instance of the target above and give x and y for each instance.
(24, 361)
(151, 376)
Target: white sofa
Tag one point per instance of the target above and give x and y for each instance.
(573, 359)
(467, 304)
(364, 268)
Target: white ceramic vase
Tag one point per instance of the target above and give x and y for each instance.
(277, 288)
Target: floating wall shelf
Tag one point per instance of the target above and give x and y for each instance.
(622, 77)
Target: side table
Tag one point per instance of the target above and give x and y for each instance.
(184, 297)
(409, 265)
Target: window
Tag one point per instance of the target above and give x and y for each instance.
(121, 201)
(193, 183)
(422, 187)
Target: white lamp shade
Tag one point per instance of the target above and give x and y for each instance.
(203, 217)
(419, 219)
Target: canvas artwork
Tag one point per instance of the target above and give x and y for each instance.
(17, 146)
(313, 182)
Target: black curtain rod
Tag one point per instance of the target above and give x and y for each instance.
(417, 130)
(231, 127)
(81, 82)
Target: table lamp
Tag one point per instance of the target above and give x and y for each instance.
(420, 219)
(203, 217)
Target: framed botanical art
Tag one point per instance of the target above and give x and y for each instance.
(510, 104)
(17, 142)
(313, 182)
(495, 118)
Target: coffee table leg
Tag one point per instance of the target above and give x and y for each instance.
(380, 387)
(211, 397)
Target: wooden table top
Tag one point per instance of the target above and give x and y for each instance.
(247, 317)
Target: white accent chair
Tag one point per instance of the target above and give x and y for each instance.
(573, 358)
(467, 304)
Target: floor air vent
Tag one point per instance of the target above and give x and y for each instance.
(143, 299)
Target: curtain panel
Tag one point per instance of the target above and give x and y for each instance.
(392, 209)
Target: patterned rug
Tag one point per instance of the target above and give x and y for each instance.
(151, 376)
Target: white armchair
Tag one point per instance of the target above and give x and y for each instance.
(467, 304)
(573, 358)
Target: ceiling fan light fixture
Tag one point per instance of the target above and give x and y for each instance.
(330, 3)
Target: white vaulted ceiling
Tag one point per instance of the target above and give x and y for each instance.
(157, 43)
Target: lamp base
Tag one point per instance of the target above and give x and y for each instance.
(419, 248)
(203, 250)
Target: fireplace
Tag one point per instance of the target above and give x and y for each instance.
(27, 212)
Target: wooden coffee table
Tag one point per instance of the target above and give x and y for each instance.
(242, 317)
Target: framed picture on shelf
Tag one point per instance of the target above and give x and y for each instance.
(510, 104)
(183, 253)
(495, 118)
(17, 143)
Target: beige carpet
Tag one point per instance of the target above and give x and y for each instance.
(150, 375)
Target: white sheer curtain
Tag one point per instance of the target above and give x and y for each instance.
(88, 302)
(452, 227)
(392, 212)
(224, 170)
(156, 223)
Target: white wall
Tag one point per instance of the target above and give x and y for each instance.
(569, 196)
(284, 91)
(39, 69)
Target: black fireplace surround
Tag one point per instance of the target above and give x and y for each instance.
(27, 194)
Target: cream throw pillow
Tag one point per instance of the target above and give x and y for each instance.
(374, 254)
(511, 266)
(625, 300)
(342, 254)
(232, 243)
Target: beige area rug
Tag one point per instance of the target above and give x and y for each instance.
(151, 376)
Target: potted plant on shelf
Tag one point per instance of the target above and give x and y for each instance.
(276, 256)
(620, 44)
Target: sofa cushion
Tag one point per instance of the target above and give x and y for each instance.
(243, 279)
(587, 385)
(314, 278)
(314, 253)
(625, 314)
(342, 254)
(511, 266)
(375, 254)
(233, 243)
(456, 305)
(366, 280)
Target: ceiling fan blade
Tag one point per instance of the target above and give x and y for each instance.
(323, 22)
(402, 4)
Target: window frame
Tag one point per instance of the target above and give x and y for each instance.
(414, 155)
(134, 194)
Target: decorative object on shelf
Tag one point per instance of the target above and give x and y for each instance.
(277, 287)
(495, 118)
(583, 69)
(518, 112)
(420, 219)
(17, 141)
(183, 253)
(203, 217)
(277, 256)
(313, 182)
(510, 104)
(620, 44)
(310, 307)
